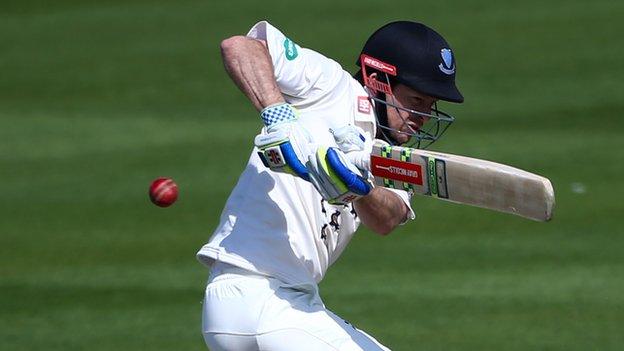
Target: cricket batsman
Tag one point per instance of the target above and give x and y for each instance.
(302, 196)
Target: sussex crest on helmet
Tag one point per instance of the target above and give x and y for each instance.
(447, 66)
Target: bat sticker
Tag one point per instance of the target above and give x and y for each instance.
(396, 170)
(441, 179)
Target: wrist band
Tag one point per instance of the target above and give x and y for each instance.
(274, 114)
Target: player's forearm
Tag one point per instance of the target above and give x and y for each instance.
(381, 210)
(248, 63)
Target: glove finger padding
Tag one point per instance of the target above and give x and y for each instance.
(335, 177)
(350, 175)
(284, 149)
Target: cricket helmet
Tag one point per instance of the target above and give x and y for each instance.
(418, 57)
(414, 55)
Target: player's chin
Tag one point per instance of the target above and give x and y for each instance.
(401, 138)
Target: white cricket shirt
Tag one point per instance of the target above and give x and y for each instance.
(277, 224)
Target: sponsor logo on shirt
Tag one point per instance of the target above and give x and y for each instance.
(364, 105)
(290, 50)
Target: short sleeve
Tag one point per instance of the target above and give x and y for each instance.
(301, 73)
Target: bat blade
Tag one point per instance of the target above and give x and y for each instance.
(464, 180)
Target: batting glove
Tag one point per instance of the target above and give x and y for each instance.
(286, 145)
(349, 138)
(337, 179)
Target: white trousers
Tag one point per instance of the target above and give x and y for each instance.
(243, 312)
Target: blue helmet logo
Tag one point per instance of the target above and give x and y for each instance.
(447, 66)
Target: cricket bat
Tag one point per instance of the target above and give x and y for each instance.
(463, 180)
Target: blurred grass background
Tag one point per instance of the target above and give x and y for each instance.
(99, 98)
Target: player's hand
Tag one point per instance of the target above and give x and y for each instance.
(357, 148)
(286, 146)
(337, 179)
(349, 138)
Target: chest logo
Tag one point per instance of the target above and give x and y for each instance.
(364, 105)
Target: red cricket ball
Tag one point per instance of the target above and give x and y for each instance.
(163, 192)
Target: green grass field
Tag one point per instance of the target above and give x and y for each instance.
(99, 98)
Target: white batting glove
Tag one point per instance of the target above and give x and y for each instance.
(287, 144)
(352, 141)
(337, 179)
(349, 138)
